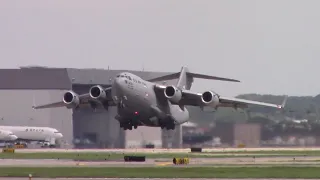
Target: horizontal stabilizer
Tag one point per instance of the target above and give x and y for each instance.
(165, 78)
(202, 76)
(193, 75)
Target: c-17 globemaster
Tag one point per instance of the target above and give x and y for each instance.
(146, 103)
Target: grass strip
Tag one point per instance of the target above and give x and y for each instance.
(275, 151)
(163, 172)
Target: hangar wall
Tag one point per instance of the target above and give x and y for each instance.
(98, 126)
(16, 110)
(143, 135)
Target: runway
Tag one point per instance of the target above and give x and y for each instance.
(164, 162)
(24, 178)
(186, 150)
(196, 162)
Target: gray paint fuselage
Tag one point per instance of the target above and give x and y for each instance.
(139, 100)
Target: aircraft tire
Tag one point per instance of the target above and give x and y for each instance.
(170, 127)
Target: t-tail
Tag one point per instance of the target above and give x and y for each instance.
(185, 78)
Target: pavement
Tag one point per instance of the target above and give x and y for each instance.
(232, 161)
(146, 150)
(238, 161)
(135, 179)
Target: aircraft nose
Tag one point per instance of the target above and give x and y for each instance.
(13, 137)
(119, 83)
(59, 135)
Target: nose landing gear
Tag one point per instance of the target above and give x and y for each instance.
(128, 125)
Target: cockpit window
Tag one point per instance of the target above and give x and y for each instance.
(118, 75)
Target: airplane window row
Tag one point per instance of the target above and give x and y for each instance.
(35, 130)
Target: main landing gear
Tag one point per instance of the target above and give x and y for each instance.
(170, 126)
(128, 125)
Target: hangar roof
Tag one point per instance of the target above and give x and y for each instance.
(60, 78)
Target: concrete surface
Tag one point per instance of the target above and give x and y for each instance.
(167, 150)
(134, 179)
(239, 161)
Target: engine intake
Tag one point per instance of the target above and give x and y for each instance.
(173, 94)
(71, 99)
(97, 92)
(210, 99)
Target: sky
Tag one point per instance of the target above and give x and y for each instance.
(271, 46)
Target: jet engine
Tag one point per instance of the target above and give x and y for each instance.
(210, 99)
(97, 92)
(173, 94)
(71, 99)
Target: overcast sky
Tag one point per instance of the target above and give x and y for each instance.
(272, 46)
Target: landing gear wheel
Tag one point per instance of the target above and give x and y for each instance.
(135, 126)
(170, 127)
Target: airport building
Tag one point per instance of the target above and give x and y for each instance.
(22, 88)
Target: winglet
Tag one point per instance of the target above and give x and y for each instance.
(33, 102)
(284, 102)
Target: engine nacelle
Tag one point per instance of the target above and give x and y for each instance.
(210, 99)
(173, 94)
(71, 99)
(97, 92)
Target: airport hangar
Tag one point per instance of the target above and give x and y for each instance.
(27, 86)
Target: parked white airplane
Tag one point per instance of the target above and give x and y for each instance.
(7, 136)
(27, 133)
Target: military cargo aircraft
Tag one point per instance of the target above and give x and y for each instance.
(142, 102)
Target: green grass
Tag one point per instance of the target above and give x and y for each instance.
(115, 156)
(165, 172)
(312, 152)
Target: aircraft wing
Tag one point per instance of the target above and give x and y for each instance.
(190, 98)
(243, 103)
(84, 101)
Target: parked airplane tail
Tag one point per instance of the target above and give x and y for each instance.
(186, 78)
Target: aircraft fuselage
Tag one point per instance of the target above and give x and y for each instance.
(137, 101)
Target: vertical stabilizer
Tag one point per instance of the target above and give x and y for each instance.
(185, 81)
